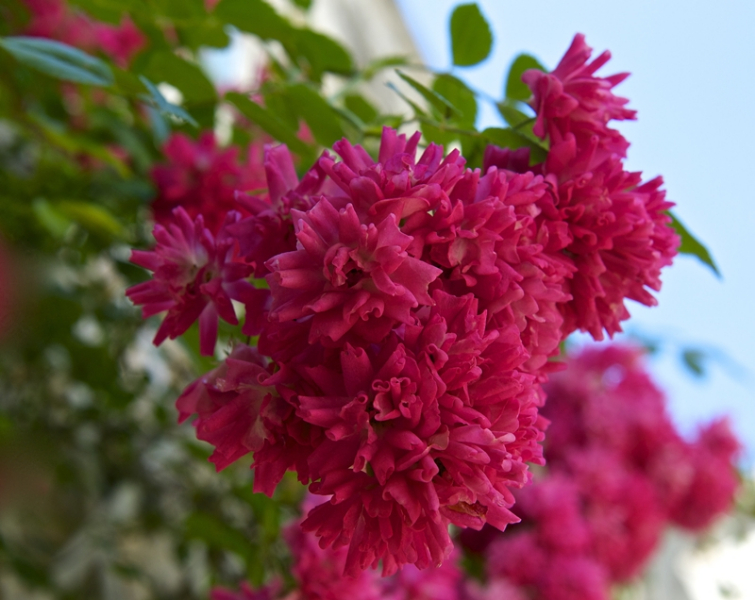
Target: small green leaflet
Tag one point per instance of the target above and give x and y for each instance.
(58, 60)
(162, 105)
(443, 106)
(691, 245)
(471, 39)
(515, 87)
(269, 122)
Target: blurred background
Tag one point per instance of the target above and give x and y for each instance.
(102, 495)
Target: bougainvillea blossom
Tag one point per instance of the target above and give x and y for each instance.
(196, 276)
(618, 475)
(618, 228)
(204, 179)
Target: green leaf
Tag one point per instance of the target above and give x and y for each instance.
(269, 122)
(109, 11)
(379, 64)
(187, 77)
(418, 110)
(471, 39)
(438, 102)
(206, 32)
(461, 98)
(694, 360)
(217, 534)
(691, 245)
(50, 218)
(520, 121)
(512, 114)
(321, 53)
(316, 112)
(163, 106)
(58, 60)
(92, 217)
(512, 138)
(516, 89)
(160, 127)
(256, 17)
(303, 4)
(180, 11)
(360, 107)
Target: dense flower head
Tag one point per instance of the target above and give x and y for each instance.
(615, 229)
(318, 574)
(410, 321)
(267, 229)
(203, 179)
(196, 275)
(572, 100)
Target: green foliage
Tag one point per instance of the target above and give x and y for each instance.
(267, 120)
(58, 60)
(516, 89)
(460, 97)
(163, 106)
(692, 246)
(471, 38)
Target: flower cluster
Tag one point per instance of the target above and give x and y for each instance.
(54, 19)
(408, 318)
(413, 307)
(196, 275)
(612, 228)
(318, 574)
(618, 474)
(203, 179)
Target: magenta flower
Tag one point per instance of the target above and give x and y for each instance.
(714, 481)
(195, 277)
(571, 100)
(348, 274)
(409, 329)
(614, 229)
(233, 405)
(203, 180)
(54, 19)
(120, 42)
(268, 229)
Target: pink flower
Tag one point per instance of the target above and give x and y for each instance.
(617, 234)
(348, 274)
(572, 100)
(407, 400)
(196, 275)
(573, 578)
(714, 481)
(319, 573)
(236, 411)
(268, 229)
(620, 241)
(203, 179)
(120, 42)
(55, 20)
(436, 583)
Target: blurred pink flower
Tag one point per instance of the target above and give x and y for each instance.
(203, 179)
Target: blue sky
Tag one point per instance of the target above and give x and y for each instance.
(693, 83)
